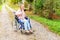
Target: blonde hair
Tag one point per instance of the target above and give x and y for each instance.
(21, 5)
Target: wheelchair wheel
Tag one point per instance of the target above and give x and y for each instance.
(15, 25)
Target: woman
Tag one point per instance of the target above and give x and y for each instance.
(23, 20)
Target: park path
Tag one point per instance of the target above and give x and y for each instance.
(7, 32)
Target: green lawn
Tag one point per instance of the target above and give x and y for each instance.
(53, 25)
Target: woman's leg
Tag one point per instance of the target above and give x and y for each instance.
(21, 24)
(29, 22)
(29, 27)
(26, 24)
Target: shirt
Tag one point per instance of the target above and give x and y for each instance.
(20, 14)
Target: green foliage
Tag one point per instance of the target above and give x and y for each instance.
(13, 1)
(57, 7)
(38, 5)
(0, 7)
(52, 6)
(29, 1)
(0, 2)
(26, 4)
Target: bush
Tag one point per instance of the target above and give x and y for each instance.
(52, 7)
(38, 5)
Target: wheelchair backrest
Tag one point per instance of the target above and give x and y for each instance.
(16, 18)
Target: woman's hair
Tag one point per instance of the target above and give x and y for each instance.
(21, 5)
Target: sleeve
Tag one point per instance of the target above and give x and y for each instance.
(24, 14)
(16, 13)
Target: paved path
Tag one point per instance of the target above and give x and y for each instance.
(7, 32)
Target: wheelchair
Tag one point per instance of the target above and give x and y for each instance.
(19, 25)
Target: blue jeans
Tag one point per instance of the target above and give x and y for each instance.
(25, 24)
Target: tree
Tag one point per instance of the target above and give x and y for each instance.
(51, 11)
(38, 6)
(0, 1)
(30, 4)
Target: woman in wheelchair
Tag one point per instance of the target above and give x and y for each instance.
(23, 19)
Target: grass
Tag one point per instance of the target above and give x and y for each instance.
(53, 25)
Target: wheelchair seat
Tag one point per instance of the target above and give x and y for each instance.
(17, 21)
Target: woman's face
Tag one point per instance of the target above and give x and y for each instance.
(22, 7)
